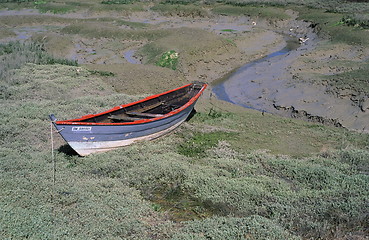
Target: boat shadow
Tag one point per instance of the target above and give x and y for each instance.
(67, 150)
(192, 113)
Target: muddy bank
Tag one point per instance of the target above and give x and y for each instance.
(211, 48)
(139, 79)
(272, 85)
(208, 49)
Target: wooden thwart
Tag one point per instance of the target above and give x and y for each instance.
(150, 107)
(123, 118)
(141, 114)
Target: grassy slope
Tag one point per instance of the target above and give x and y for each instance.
(238, 173)
(103, 195)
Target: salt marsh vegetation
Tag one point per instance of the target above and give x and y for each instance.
(227, 173)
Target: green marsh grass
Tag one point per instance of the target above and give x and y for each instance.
(32, 207)
(339, 28)
(299, 140)
(168, 59)
(357, 80)
(107, 30)
(252, 11)
(252, 227)
(16, 1)
(54, 44)
(228, 30)
(16, 54)
(339, 6)
(182, 10)
(254, 176)
(118, 1)
(55, 8)
(152, 52)
(27, 20)
(102, 73)
(356, 20)
(182, 2)
(111, 195)
(255, 184)
(327, 23)
(122, 8)
(197, 145)
(192, 45)
(5, 33)
(131, 24)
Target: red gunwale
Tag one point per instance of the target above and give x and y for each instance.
(79, 121)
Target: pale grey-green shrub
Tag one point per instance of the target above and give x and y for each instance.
(107, 195)
(231, 228)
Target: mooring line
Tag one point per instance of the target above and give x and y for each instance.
(52, 151)
(54, 180)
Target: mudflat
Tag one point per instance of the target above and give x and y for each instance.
(236, 169)
(210, 48)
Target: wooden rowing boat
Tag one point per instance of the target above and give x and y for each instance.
(122, 125)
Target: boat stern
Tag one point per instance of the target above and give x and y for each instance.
(52, 118)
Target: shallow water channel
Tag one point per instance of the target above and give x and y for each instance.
(244, 86)
(129, 56)
(268, 85)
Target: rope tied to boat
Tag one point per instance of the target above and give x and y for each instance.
(52, 151)
(53, 177)
(58, 131)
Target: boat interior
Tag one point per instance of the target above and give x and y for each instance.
(151, 108)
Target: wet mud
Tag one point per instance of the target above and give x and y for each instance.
(259, 65)
(269, 85)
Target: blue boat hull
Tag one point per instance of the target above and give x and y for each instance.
(122, 125)
(87, 139)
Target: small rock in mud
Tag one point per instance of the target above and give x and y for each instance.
(365, 104)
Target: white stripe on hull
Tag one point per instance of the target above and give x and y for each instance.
(86, 148)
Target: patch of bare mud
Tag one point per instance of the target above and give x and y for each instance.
(22, 12)
(203, 57)
(102, 50)
(23, 32)
(129, 55)
(136, 79)
(346, 104)
(243, 41)
(209, 49)
(211, 65)
(273, 85)
(57, 45)
(330, 59)
(81, 14)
